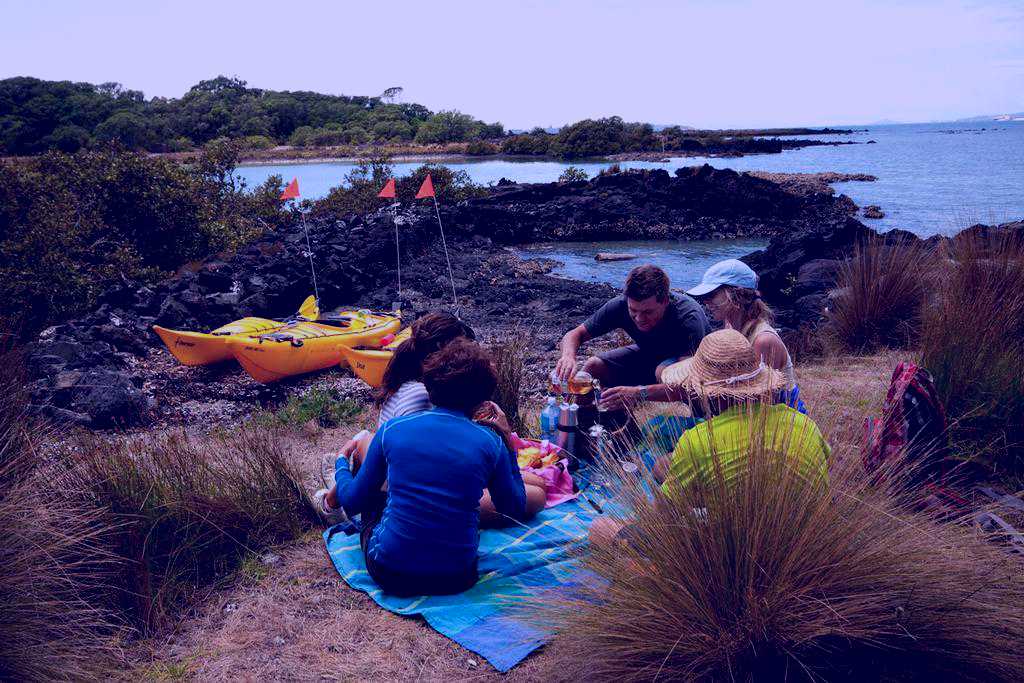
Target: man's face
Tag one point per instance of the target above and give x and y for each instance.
(646, 313)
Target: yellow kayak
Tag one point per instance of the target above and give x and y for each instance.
(369, 364)
(302, 347)
(205, 348)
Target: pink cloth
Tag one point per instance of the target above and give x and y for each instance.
(559, 481)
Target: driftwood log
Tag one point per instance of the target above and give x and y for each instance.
(609, 256)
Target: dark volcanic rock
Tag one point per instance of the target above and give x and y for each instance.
(779, 266)
(873, 211)
(124, 367)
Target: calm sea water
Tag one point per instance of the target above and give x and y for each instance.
(685, 262)
(932, 178)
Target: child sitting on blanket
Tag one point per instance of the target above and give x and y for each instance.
(401, 392)
(420, 536)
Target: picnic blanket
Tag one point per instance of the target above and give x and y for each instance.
(515, 562)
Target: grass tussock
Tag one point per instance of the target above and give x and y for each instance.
(187, 511)
(881, 288)
(509, 358)
(53, 561)
(771, 575)
(973, 343)
(52, 558)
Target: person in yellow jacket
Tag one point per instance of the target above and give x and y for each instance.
(735, 387)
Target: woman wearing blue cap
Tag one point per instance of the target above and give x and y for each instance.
(729, 291)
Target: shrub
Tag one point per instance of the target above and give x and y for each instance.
(882, 287)
(531, 144)
(973, 343)
(324, 406)
(256, 142)
(481, 148)
(573, 174)
(185, 511)
(771, 576)
(301, 136)
(450, 186)
(73, 225)
(614, 169)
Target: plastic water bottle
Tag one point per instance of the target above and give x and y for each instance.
(549, 420)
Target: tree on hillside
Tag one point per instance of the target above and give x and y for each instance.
(391, 94)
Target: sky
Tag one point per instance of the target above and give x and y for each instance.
(704, 63)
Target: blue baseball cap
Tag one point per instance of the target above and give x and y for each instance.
(731, 272)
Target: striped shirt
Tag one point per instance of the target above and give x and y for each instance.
(410, 398)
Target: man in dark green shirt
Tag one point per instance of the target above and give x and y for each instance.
(663, 326)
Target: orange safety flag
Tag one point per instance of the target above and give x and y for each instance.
(389, 190)
(292, 191)
(426, 189)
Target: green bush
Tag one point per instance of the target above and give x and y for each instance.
(359, 193)
(38, 115)
(454, 126)
(481, 148)
(530, 144)
(256, 142)
(326, 407)
(573, 174)
(72, 225)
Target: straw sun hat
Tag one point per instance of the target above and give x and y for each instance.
(725, 366)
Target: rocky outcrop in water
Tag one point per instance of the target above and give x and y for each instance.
(108, 368)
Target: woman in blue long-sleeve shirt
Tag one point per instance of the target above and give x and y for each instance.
(421, 535)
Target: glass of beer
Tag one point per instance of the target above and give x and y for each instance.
(581, 383)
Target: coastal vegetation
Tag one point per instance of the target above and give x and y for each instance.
(357, 194)
(74, 224)
(37, 115)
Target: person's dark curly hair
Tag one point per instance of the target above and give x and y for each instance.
(429, 334)
(459, 377)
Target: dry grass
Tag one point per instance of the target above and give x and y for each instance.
(186, 510)
(52, 559)
(973, 343)
(509, 357)
(881, 290)
(14, 428)
(782, 577)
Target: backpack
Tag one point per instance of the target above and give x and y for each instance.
(912, 428)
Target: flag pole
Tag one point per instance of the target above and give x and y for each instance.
(309, 253)
(398, 252)
(292, 193)
(444, 243)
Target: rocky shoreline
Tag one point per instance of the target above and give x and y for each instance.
(109, 369)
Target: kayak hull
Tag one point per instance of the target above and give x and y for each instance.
(369, 365)
(306, 347)
(207, 348)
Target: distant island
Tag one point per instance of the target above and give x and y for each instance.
(268, 125)
(1016, 116)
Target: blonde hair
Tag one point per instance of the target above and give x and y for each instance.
(749, 303)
